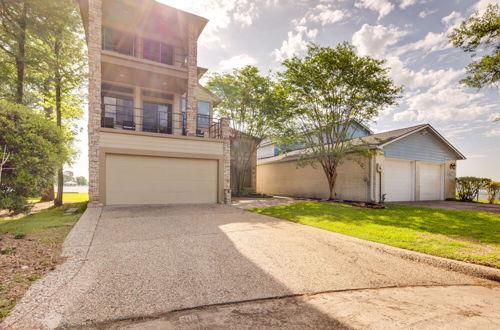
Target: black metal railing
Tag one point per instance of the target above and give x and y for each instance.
(157, 121)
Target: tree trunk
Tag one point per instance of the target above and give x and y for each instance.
(60, 184)
(57, 80)
(20, 59)
(49, 194)
(331, 175)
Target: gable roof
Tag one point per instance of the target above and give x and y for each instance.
(374, 141)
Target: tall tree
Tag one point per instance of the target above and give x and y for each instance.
(480, 35)
(63, 72)
(250, 100)
(330, 91)
(15, 18)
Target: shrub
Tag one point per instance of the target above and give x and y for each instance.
(468, 187)
(493, 191)
(33, 146)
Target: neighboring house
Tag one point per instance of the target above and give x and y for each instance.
(270, 149)
(152, 137)
(409, 164)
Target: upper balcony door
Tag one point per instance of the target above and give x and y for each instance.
(157, 117)
(118, 111)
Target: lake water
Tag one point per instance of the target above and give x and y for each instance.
(75, 189)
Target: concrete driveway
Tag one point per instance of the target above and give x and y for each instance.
(133, 262)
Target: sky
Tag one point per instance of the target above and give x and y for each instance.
(410, 35)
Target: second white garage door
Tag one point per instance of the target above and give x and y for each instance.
(430, 181)
(399, 180)
(160, 180)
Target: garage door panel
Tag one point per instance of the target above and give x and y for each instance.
(160, 180)
(430, 181)
(399, 180)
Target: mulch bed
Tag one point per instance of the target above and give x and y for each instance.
(24, 260)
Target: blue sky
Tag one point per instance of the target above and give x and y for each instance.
(411, 35)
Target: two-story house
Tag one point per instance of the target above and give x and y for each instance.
(152, 135)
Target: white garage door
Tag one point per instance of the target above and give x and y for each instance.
(399, 180)
(159, 180)
(430, 181)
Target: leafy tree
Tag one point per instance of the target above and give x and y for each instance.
(329, 90)
(35, 148)
(251, 101)
(468, 187)
(62, 73)
(68, 176)
(81, 181)
(493, 191)
(476, 35)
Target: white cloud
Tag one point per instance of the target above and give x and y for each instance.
(323, 14)
(434, 41)
(426, 12)
(493, 132)
(297, 42)
(411, 79)
(383, 7)
(481, 5)
(374, 40)
(447, 104)
(431, 43)
(237, 61)
(327, 16)
(222, 13)
(407, 3)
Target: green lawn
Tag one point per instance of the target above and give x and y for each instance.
(49, 218)
(68, 198)
(462, 235)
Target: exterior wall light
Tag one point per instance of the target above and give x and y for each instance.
(453, 166)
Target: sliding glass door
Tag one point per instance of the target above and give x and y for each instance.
(157, 117)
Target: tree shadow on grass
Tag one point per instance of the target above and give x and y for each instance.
(479, 226)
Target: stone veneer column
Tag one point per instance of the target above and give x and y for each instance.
(94, 54)
(224, 122)
(192, 66)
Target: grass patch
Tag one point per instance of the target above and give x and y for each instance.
(49, 218)
(31, 247)
(67, 198)
(462, 235)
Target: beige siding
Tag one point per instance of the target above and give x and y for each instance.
(287, 180)
(160, 180)
(161, 144)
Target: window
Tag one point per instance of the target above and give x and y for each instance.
(157, 51)
(203, 114)
(118, 110)
(157, 118)
(117, 41)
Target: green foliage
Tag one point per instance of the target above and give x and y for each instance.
(468, 187)
(251, 101)
(35, 146)
(329, 91)
(19, 236)
(475, 35)
(463, 235)
(81, 181)
(493, 191)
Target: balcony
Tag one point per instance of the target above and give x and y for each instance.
(152, 119)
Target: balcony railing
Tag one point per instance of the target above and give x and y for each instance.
(162, 122)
